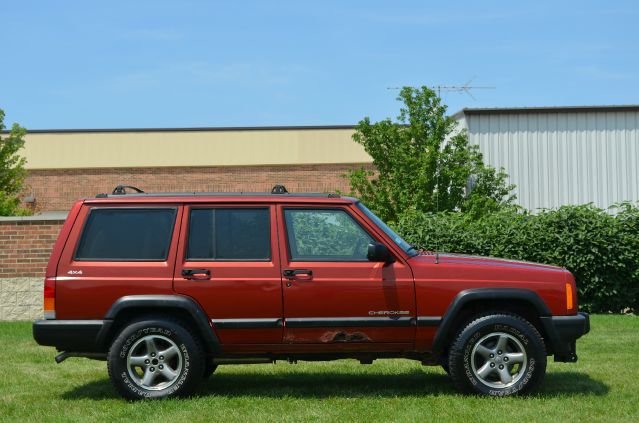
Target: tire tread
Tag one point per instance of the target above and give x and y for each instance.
(198, 354)
(457, 346)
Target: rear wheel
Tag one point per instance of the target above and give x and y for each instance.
(155, 358)
(498, 355)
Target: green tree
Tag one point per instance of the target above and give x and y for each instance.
(423, 163)
(12, 172)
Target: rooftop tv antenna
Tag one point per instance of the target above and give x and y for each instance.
(464, 88)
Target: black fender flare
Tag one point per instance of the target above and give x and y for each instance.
(470, 295)
(158, 303)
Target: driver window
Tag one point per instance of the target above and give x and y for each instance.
(325, 235)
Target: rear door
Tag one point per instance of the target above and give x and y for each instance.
(228, 261)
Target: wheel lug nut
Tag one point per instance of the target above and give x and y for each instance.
(492, 356)
(492, 364)
(499, 352)
(152, 369)
(161, 357)
(505, 358)
(152, 354)
(160, 367)
(147, 361)
(501, 366)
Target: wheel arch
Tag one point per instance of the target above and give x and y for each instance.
(185, 308)
(472, 302)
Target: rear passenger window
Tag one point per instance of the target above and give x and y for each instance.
(126, 234)
(228, 234)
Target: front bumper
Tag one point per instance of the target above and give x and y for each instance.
(69, 335)
(562, 332)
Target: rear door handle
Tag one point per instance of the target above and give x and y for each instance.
(292, 273)
(196, 274)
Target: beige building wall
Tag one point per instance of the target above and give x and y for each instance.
(192, 148)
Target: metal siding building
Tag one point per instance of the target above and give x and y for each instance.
(561, 155)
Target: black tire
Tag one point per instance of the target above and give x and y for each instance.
(444, 363)
(498, 355)
(144, 341)
(209, 369)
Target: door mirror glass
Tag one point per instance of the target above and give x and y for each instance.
(379, 252)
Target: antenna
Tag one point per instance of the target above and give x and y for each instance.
(464, 88)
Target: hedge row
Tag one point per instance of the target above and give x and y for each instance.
(600, 248)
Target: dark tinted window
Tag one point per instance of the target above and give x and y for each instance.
(229, 234)
(325, 235)
(126, 235)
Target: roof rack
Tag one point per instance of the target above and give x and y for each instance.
(278, 189)
(121, 190)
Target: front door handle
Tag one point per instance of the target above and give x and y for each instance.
(198, 274)
(293, 273)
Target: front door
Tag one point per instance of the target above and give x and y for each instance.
(228, 261)
(333, 295)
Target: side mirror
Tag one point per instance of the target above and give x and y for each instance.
(379, 252)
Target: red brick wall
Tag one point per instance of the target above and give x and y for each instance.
(25, 247)
(58, 189)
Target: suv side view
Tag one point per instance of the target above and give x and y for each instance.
(166, 287)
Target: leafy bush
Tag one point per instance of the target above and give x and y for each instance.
(600, 248)
(12, 172)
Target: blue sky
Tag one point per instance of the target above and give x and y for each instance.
(115, 64)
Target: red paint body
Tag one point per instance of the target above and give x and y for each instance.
(416, 286)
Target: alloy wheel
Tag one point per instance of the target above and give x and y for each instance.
(154, 362)
(498, 360)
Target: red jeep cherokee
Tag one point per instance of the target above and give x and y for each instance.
(166, 287)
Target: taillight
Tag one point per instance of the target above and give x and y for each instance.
(49, 298)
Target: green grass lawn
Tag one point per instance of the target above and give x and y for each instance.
(602, 386)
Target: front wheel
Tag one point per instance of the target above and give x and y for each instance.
(155, 358)
(498, 355)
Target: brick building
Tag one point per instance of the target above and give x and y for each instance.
(66, 165)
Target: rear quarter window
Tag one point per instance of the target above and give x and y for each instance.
(126, 234)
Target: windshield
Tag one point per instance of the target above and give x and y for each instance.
(408, 249)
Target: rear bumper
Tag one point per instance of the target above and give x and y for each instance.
(562, 332)
(69, 335)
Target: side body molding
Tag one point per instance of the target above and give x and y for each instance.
(162, 303)
(469, 295)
